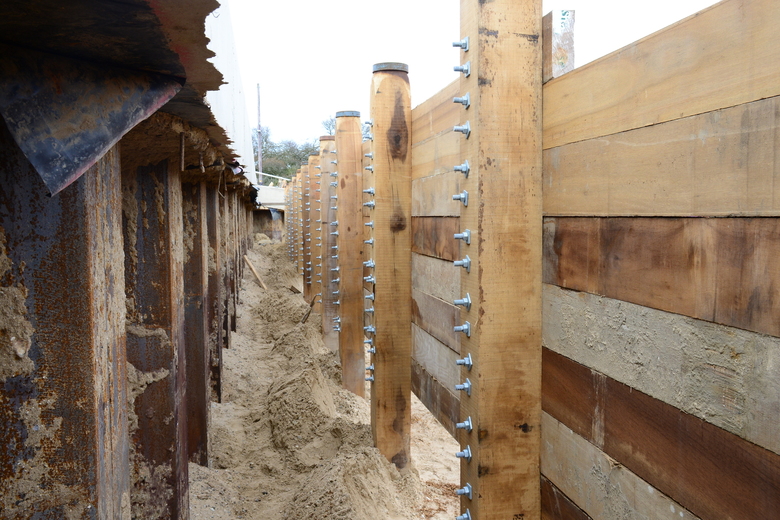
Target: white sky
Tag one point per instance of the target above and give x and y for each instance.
(313, 58)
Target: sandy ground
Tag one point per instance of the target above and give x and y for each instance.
(288, 443)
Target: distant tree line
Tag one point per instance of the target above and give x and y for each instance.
(283, 158)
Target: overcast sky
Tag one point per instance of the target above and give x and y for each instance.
(313, 58)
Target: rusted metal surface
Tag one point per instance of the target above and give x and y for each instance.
(195, 320)
(65, 114)
(213, 298)
(152, 220)
(62, 357)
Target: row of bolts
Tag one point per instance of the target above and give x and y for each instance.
(465, 263)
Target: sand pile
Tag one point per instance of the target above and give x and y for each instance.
(288, 443)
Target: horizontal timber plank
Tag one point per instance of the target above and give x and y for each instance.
(437, 318)
(724, 270)
(442, 403)
(557, 506)
(589, 479)
(433, 236)
(709, 471)
(723, 56)
(436, 277)
(723, 375)
(715, 164)
(436, 155)
(437, 114)
(432, 196)
(435, 357)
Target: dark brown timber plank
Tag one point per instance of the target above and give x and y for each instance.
(433, 236)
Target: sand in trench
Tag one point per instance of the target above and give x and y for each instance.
(288, 443)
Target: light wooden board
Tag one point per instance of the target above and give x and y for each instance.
(437, 318)
(436, 155)
(327, 215)
(556, 505)
(349, 155)
(597, 484)
(435, 357)
(710, 472)
(435, 277)
(436, 115)
(720, 57)
(440, 401)
(724, 270)
(432, 196)
(504, 211)
(558, 44)
(391, 148)
(714, 164)
(723, 375)
(433, 236)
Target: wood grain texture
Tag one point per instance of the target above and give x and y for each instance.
(557, 506)
(391, 148)
(349, 155)
(722, 56)
(436, 155)
(432, 196)
(723, 270)
(441, 402)
(437, 318)
(723, 375)
(433, 236)
(435, 277)
(504, 212)
(596, 484)
(436, 115)
(329, 308)
(710, 472)
(719, 163)
(435, 357)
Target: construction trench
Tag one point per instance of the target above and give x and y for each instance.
(542, 293)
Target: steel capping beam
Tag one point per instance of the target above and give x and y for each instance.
(65, 113)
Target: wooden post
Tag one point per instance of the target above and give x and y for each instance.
(392, 163)
(63, 378)
(152, 219)
(306, 232)
(196, 329)
(557, 44)
(299, 222)
(350, 243)
(504, 215)
(316, 231)
(330, 309)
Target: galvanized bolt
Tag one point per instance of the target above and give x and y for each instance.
(334, 184)
(337, 319)
(335, 257)
(370, 279)
(334, 233)
(370, 310)
(371, 350)
(370, 122)
(463, 44)
(336, 270)
(370, 329)
(369, 168)
(368, 341)
(334, 162)
(465, 263)
(370, 367)
(370, 264)
(335, 223)
(464, 516)
(369, 241)
(370, 204)
(465, 425)
(465, 454)
(370, 378)
(336, 293)
(337, 328)
(333, 151)
(318, 167)
(334, 174)
(334, 247)
(465, 491)
(465, 328)
(334, 207)
(465, 100)
(465, 236)
(466, 302)
(465, 69)
(369, 297)
(466, 361)
(370, 155)
(370, 191)
(466, 387)
(337, 302)
(369, 137)
(463, 196)
(464, 129)
(463, 168)
(335, 280)
(369, 224)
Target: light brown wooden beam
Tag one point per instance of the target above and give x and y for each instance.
(435, 116)
(307, 266)
(503, 213)
(437, 318)
(716, 164)
(349, 154)
(429, 199)
(724, 270)
(316, 229)
(330, 310)
(723, 56)
(436, 155)
(392, 163)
